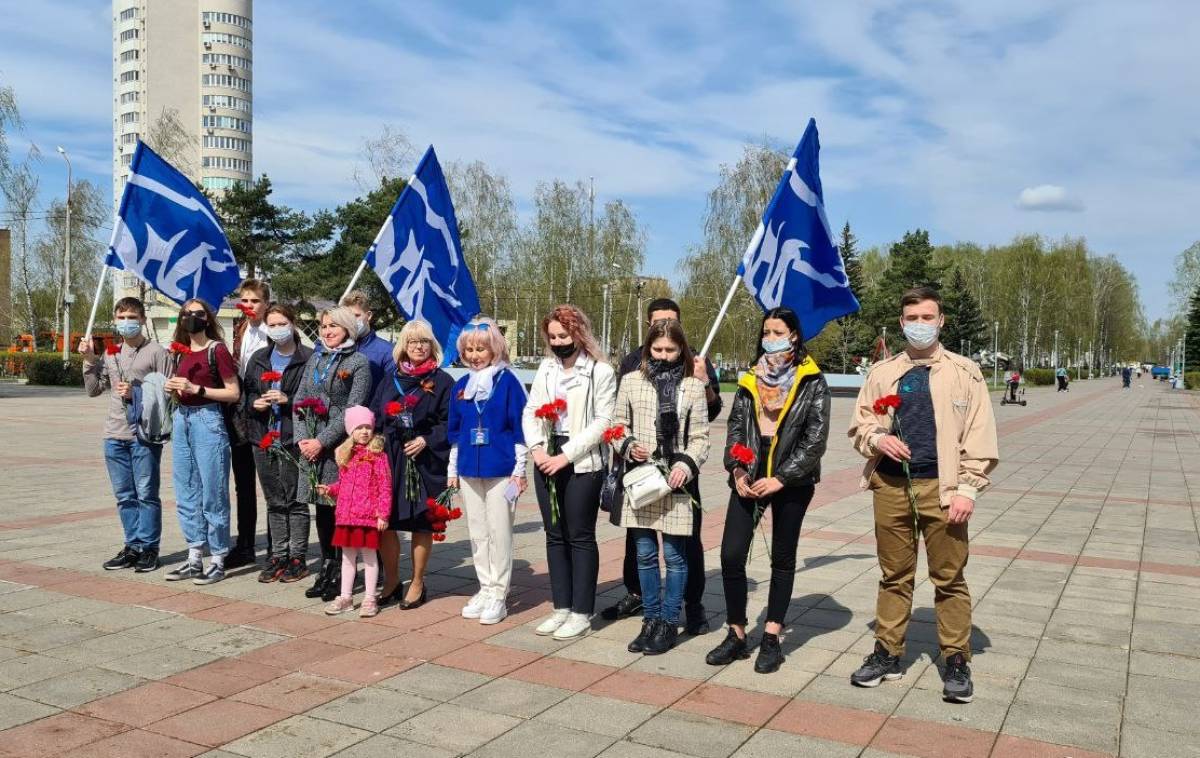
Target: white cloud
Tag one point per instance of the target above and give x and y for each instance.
(1048, 197)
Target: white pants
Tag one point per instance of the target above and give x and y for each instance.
(490, 524)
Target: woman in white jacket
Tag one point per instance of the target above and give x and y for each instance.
(569, 460)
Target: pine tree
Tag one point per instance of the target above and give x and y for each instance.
(1192, 342)
(964, 320)
(853, 335)
(909, 264)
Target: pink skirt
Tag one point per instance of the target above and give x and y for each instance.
(356, 536)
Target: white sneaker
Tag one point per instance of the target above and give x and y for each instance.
(576, 625)
(474, 606)
(551, 625)
(494, 611)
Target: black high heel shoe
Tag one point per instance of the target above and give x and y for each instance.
(407, 606)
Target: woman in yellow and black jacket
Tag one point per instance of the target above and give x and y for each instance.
(778, 427)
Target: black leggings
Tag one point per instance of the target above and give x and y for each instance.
(324, 517)
(571, 543)
(244, 483)
(693, 591)
(787, 515)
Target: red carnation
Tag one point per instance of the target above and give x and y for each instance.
(438, 526)
(884, 403)
(430, 502)
(271, 376)
(246, 310)
(180, 349)
(112, 349)
(614, 433)
(742, 454)
(439, 536)
(455, 513)
(560, 405)
(410, 402)
(393, 408)
(268, 440)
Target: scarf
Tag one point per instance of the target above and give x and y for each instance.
(666, 378)
(775, 374)
(479, 383)
(421, 369)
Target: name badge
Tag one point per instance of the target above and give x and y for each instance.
(480, 436)
(406, 420)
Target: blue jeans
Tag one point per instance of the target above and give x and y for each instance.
(133, 472)
(200, 446)
(674, 549)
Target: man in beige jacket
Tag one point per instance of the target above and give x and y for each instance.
(942, 439)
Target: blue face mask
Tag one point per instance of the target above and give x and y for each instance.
(772, 346)
(128, 327)
(920, 335)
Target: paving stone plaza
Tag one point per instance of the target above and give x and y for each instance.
(1084, 574)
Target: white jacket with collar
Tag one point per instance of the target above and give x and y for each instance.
(589, 409)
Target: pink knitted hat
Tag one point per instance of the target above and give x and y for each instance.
(358, 415)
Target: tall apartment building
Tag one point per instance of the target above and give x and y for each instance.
(187, 61)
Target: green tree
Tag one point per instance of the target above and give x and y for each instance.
(1192, 342)
(851, 334)
(260, 232)
(965, 329)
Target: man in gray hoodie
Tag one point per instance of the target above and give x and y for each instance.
(133, 465)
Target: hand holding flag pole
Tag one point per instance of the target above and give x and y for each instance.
(791, 260)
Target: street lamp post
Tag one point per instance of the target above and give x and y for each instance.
(1054, 359)
(67, 299)
(995, 353)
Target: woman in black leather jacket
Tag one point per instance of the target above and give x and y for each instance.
(778, 427)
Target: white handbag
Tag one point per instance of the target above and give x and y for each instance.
(645, 484)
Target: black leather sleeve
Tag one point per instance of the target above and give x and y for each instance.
(741, 414)
(805, 456)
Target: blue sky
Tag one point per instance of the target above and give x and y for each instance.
(976, 120)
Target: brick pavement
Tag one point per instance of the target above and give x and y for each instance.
(1085, 576)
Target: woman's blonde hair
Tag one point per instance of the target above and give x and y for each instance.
(342, 454)
(343, 317)
(416, 330)
(578, 325)
(484, 331)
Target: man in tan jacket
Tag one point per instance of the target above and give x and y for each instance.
(929, 460)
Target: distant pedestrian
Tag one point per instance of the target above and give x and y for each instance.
(927, 480)
(1064, 379)
(364, 499)
(132, 462)
(1126, 377)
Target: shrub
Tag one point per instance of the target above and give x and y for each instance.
(47, 369)
(1191, 380)
(1039, 377)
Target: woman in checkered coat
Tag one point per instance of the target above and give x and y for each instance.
(664, 412)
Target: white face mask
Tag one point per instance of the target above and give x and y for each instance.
(362, 327)
(921, 335)
(280, 335)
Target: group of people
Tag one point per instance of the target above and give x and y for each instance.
(372, 439)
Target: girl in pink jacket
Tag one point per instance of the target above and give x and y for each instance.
(364, 498)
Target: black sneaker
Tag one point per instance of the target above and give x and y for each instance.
(630, 605)
(184, 570)
(639, 642)
(956, 681)
(214, 574)
(148, 561)
(696, 620)
(273, 570)
(666, 634)
(127, 558)
(732, 648)
(877, 667)
(770, 655)
(239, 556)
(296, 570)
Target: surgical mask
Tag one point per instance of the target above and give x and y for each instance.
(920, 335)
(563, 351)
(128, 327)
(772, 346)
(193, 324)
(280, 335)
(363, 326)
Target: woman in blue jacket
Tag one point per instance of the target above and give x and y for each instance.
(487, 461)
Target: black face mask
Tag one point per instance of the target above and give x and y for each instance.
(193, 324)
(563, 351)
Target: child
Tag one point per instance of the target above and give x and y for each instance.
(488, 453)
(364, 499)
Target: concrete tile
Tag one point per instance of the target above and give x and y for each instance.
(160, 663)
(294, 693)
(767, 743)
(512, 698)
(839, 691)
(136, 742)
(382, 744)
(373, 708)
(1151, 742)
(1078, 677)
(691, 734)
(77, 687)
(232, 642)
(27, 669)
(144, 705)
(472, 728)
(1062, 724)
(626, 749)
(540, 738)
(298, 735)
(64, 731)
(1163, 703)
(435, 682)
(602, 715)
(217, 723)
(17, 710)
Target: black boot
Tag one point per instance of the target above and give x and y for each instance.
(318, 586)
(666, 633)
(770, 656)
(733, 648)
(333, 585)
(639, 642)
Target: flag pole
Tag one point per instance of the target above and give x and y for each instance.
(363, 265)
(755, 241)
(112, 241)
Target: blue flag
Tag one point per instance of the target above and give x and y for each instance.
(419, 259)
(792, 260)
(168, 235)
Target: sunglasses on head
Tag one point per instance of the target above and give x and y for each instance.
(476, 327)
